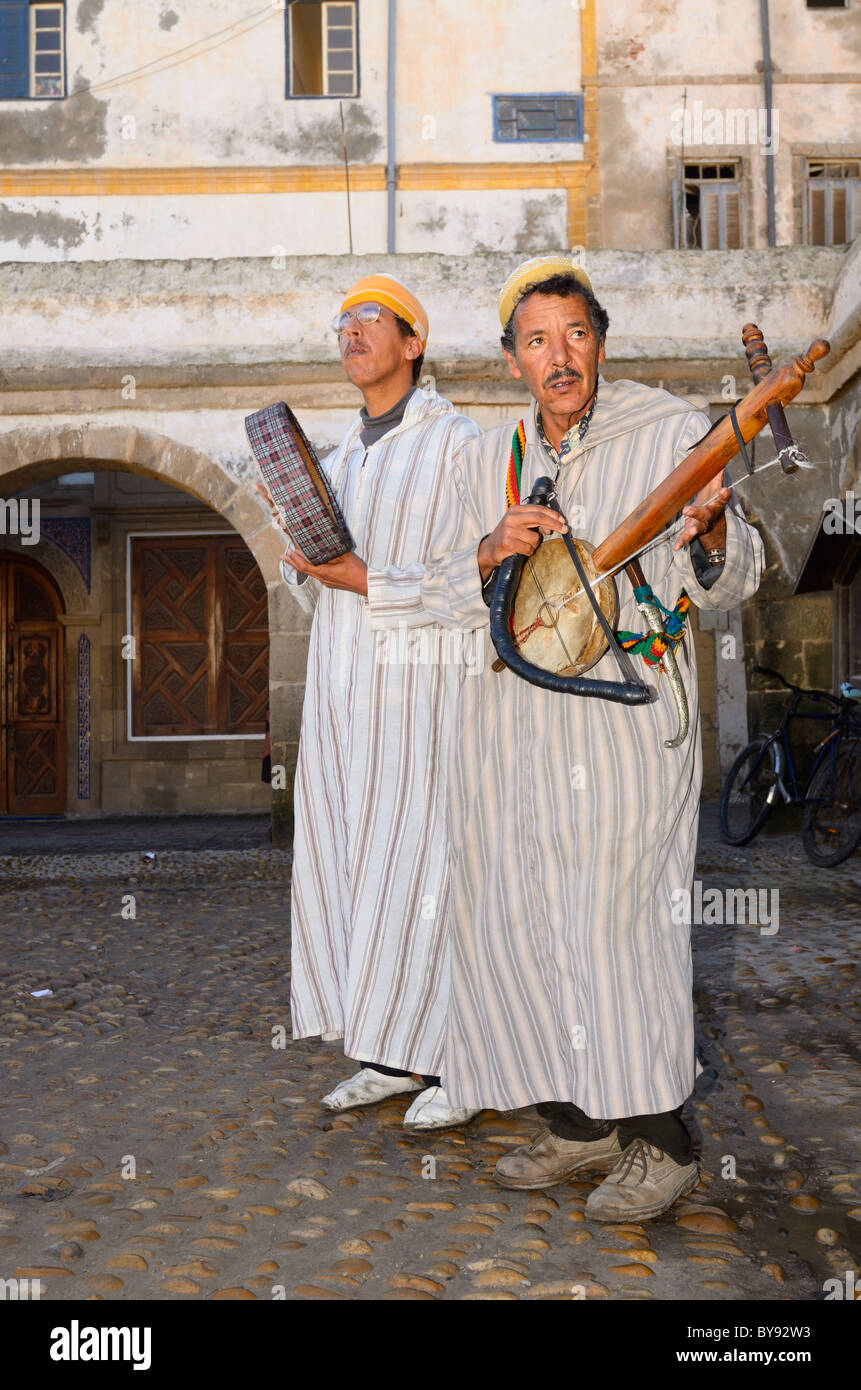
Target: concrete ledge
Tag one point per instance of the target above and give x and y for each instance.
(666, 305)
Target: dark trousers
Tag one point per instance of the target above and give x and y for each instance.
(393, 1071)
(664, 1131)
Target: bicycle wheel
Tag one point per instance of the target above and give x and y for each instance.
(831, 826)
(748, 792)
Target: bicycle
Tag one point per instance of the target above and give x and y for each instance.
(831, 824)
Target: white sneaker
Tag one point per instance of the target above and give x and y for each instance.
(368, 1087)
(433, 1110)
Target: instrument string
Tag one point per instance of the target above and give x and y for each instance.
(548, 603)
(669, 535)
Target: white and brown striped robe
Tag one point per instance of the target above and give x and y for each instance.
(572, 825)
(369, 870)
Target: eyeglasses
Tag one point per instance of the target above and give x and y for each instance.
(365, 314)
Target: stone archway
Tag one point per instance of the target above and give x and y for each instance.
(29, 454)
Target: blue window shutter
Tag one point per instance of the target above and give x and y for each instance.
(14, 49)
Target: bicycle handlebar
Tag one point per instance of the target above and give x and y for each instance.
(767, 671)
(799, 690)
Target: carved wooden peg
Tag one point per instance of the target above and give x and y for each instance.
(818, 349)
(756, 352)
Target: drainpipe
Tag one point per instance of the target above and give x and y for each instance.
(769, 158)
(390, 103)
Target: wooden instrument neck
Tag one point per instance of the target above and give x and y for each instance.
(706, 459)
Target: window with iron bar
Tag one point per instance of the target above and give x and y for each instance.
(538, 117)
(832, 201)
(708, 206)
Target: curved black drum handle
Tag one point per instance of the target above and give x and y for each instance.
(504, 590)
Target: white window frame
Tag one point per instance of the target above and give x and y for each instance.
(60, 8)
(324, 7)
(324, 20)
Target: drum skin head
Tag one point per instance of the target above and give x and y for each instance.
(554, 623)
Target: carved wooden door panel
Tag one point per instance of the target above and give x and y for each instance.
(242, 619)
(201, 633)
(32, 726)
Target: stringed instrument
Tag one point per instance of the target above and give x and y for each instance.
(552, 614)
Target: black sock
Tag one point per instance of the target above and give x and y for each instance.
(393, 1071)
(664, 1131)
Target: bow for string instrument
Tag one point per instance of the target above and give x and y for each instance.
(552, 614)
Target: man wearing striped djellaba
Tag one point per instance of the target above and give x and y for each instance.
(370, 882)
(573, 825)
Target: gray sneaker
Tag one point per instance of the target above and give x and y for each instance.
(549, 1160)
(644, 1183)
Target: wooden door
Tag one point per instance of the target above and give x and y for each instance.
(201, 632)
(32, 728)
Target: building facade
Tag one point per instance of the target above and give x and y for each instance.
(730, 126)
(145, 132)
(178, 200)
(224, 143)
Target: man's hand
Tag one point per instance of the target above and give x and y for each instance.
(518, 533)
(346, 572)
(705, 516)
(277, 518)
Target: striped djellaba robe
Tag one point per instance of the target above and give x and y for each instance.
(369, 882)
(572, 825)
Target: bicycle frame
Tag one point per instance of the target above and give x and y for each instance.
(765, 771)
(829, 748)
(783, 751)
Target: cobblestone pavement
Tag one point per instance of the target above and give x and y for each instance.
(154, 1144)
(116, 834)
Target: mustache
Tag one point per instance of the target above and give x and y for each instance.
(568, 375)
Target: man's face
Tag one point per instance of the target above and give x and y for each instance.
(375, 352)
(556, 352)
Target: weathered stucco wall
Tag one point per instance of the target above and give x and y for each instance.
(664, 305)
(453, 56)
(221, 103)
(450, 60)
(163, 138)
(185, 227)
(649, 54)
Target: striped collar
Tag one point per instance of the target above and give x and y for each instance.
(560, 456)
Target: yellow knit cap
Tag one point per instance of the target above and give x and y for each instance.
(382, 289)
(534, 272)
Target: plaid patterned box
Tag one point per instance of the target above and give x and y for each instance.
(297, 484)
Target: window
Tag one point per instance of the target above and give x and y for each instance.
(709, 207)
(833, 202)
(14, 50)
(201, 635)
(321, 49)
(32, 42)
(538, 118)
(826, 4)
(46, 50)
